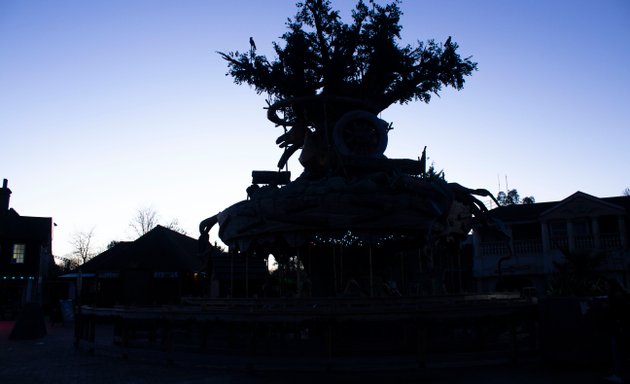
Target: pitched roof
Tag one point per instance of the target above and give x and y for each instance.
(582, 203)
(532, 212)
(160, 249)
(30, 228)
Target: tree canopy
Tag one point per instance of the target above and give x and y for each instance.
(513, 198)
(362, 60)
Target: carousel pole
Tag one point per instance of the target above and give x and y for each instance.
(371, 274)
(402, 271)
(419, 280)
(231, 274)
(341, 267)
(310, 268)
(246, 274)
(334, 262)
(298, 288)
(461, 271)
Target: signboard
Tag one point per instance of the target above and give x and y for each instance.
(67, 310)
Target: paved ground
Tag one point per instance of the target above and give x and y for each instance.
(53, 359)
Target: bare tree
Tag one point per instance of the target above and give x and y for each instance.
(174, 226)
(66, 263)
(146, 219)
(82, 246)
(626, 192)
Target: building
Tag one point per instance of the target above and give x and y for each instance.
(25, 254)
(537, 235)
(161, 267)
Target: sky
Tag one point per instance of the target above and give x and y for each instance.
(108, 107)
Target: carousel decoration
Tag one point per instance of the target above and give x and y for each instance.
(327, 88)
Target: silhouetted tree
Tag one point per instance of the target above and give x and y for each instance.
(579, 274)
(82, 246)
(363, 61)
(147, 218)
(529, 200)
(173, 225)
(66, 263)
(513, 198)
(432, 174)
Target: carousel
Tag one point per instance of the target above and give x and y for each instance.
(354, 217)
(370, 250)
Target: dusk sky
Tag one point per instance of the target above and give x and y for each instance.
(111, 106)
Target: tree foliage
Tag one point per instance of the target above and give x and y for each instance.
(362, 60)
(513, 198)
(579, 274)
(432, 174)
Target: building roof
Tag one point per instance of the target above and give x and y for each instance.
(165, 250)
(533, 212)
(26, 228)
(160, 249)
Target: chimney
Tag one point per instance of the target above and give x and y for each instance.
(5, 196)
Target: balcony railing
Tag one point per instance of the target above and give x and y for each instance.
(584, 242)
(527, 246)
(610, 240)
(559, 242)
(494, 248)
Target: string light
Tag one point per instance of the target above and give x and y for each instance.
(18, 278)
(350, 239)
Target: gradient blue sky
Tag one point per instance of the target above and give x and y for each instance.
(110, 106)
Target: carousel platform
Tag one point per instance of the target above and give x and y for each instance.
(319, 333)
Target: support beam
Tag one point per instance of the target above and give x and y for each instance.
(371, 274)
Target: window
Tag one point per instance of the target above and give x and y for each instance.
(581, 227)
(18, 253)
(557, 229)
(609, 224)
(558, 234)
(165, 275)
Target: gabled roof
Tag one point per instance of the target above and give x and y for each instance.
(160, 249)
(577, 201)
(581, 204)
(520, 212)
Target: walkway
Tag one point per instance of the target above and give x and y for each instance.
(53, 359)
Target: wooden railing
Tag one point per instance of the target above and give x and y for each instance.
(270, 309)
(317, 332)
